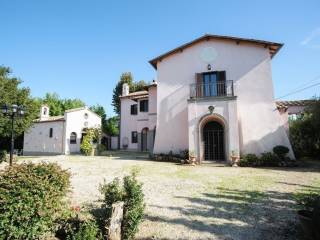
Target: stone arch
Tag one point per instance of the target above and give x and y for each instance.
(211, 117)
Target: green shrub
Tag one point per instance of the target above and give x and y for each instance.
(305, 132)
(113, 192)
(86, 230)
(307, 200)
(281, 151)
(92, 136)
(31, 198)
(134, 206)
(74, 228)
(249, 160)
(3, 156)
(101, 148)
(86, 145)
(310, 201)
(184, 154)
(132, 196)
(269, 159)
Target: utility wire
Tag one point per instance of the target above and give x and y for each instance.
(313, 85)
(306, 83)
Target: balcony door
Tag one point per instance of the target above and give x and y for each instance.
(209, 81)
(211, 84)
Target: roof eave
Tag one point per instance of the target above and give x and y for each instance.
(268, 44)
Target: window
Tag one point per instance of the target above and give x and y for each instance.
(51, 133)
(134, 109)
(73, 138)
(86, 116)
(134, 137)
(144, 105)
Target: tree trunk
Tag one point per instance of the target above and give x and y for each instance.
(114, 232)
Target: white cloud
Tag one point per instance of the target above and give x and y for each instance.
(313, 39)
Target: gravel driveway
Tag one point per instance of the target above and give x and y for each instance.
(211, 201)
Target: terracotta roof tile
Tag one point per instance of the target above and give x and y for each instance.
(50, 119)
(285, 104)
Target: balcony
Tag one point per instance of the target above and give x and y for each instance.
(212, 90)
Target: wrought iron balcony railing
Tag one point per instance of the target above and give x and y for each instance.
(217, 89)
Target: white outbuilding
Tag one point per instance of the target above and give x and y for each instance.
(59, 134)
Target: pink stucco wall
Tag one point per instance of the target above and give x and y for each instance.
(249, 66)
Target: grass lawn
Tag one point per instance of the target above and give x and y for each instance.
(210, 201)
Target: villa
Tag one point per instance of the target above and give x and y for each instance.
(213, 96)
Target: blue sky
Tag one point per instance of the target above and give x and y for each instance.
(80, 48)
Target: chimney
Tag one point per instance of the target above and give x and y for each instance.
(44, 112)
(125, 89)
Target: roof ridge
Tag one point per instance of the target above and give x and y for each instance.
(274, 47)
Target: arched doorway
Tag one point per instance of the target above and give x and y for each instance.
(213, 139)
(83, 134)
(144, 139)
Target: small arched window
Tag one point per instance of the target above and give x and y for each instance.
(73, 138)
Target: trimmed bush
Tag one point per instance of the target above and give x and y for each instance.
(184, 154)
(75, 228)
(249, 160)
(269, 159)
(281, 151)
(132, 196)
(3, 156)
(101, 148)
(31, 198)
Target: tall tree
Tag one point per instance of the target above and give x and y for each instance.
(139, 86)
(112, 126)
(98, 109)
(58, 106)
(125, 77)
(72, 103)
(12, 93)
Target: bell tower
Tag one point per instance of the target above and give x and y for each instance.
(44, 112)
(125, 89)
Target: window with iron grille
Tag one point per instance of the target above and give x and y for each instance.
(144, 105)
(134, 137)
(134, 109)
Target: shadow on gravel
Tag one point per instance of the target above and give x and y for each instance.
(233, 214)
(303, 166)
